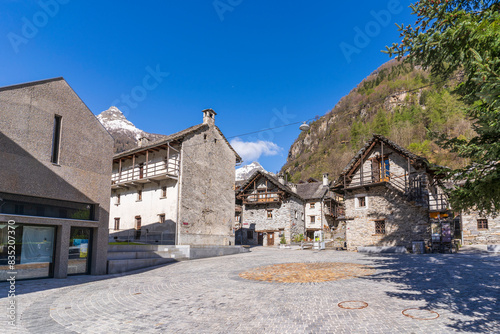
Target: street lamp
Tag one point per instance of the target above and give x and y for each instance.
(304, 127)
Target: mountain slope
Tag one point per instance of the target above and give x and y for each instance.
(244, 172)
(398, 101)
(125, 134)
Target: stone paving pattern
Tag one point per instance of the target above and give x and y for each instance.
(209, 296)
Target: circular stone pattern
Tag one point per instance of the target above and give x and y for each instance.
(353, 305)
(307, 272)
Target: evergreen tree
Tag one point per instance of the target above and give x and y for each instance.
(450, 36)
(381, 124)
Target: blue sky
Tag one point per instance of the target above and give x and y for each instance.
(258, 64)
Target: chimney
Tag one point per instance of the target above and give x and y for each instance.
(143, 141)
(326, 181)
(209, 116)
(293, 186)
(281, 178)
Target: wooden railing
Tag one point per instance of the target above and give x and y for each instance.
(261, 198)
(170, 167)
(438, 202)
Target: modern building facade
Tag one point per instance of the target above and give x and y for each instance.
(178, 190)
(55, 164)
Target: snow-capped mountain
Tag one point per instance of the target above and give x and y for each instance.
(244, 172)
(125, 133)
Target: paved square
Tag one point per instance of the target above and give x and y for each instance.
(456, 292)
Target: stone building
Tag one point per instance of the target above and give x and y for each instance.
(54, 191)
(391, 196)
(479, 229)
(270, 209)
(178, 190)
(317, 205)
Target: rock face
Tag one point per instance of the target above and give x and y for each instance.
(124, 132)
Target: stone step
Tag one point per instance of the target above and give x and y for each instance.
(122, 266)
(172, 254)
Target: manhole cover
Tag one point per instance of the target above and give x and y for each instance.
(420, 314)
(353, 305)
(307, 272)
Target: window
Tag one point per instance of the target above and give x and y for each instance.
(302, 216)
(162, 218)
(141, 170)
(312, 205)
(361, 202)
(482, 224)
(164, 192)
(117, 224)
(237, 218)
(56, 139)
(117, 199)
(313, 219)
(296, 214)
(269, 214)
(249, 234)
(139, 194)
(380, 227)
(138, 222)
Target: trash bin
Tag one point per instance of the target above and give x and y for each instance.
(418, 247)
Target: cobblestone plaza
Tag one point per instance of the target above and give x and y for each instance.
(404, 293)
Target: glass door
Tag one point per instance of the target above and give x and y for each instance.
(79, 248)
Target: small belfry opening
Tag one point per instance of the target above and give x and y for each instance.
(209, 116)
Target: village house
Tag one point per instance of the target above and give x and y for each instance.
(391, 197)
(55, 165)
(317, 205)
(480, 229)
(177, 190)
(270, 210)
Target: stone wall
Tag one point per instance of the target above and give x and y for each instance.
(404, 222)
(474, 236)
(283, 219)
(206, 194)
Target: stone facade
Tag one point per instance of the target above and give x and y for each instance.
(80, 174)
(270, 220)
(404, 222)
(474, 233)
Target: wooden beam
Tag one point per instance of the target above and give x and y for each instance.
(383, 161)
(365, 154)
(133, 165)
(146, 169)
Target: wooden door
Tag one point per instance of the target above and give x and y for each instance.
(270, 238)
(260, 238)
(375, 171)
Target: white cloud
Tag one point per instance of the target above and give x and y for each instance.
(252, 151)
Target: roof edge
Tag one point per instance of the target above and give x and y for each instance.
(31, 83)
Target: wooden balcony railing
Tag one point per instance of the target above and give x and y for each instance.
(145, 172)
(262, 198)
(438, 202)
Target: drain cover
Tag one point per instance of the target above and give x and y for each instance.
(353, 305)
(420, 314)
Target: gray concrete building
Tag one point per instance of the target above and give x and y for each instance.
(55, 165)
(270, 210)
(177, 190)
(392, 198)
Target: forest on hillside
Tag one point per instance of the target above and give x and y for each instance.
(400, 101)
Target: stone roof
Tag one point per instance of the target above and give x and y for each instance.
(273, 179)
(31, 83)
(176, 136)
(312, 190)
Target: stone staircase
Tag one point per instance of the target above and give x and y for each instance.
(123, 258)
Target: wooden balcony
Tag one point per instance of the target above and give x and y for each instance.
(145, 173)
(259, 198)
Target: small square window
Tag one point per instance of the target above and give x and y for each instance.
(361, 201)
(269, 214)
(482, 224)
(162, 218)
(313, 219)
(380, 227)
(312, 205)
